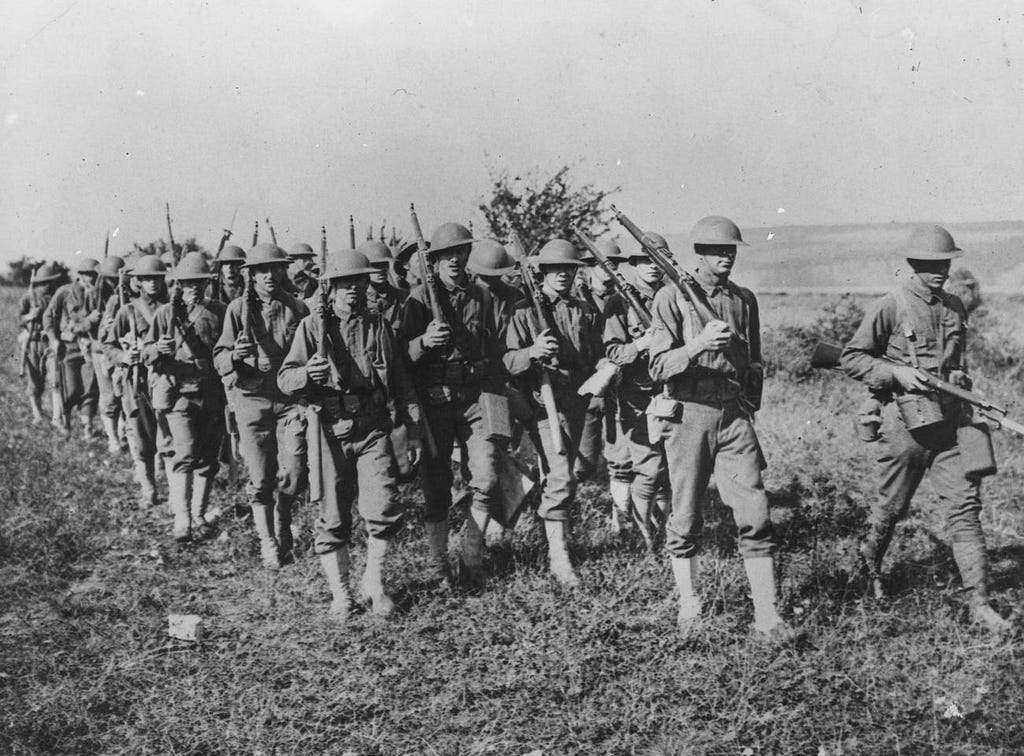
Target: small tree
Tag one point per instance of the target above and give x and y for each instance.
(21, 270)
(539, 209)
(162, 246)
(964, 284)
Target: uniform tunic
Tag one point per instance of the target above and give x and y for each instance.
(450, 382)
(271, 425)
(712, 431)
(349, 421)
(388, 302)
(578, 330)
(184, 387)
(938, 322)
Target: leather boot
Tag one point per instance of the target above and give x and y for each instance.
(283, 528)
(872, 551)
(371, 587)
(113, 442)
(472, 557)
(972, 561)
(202, 522)
(767, 622)
(178, 496)
(147, 485)
(684, 570)
(437, 553)
(263, 521)
(335, 565)
(558, 553)
(620, 517)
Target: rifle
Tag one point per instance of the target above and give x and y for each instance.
(547, 392)
(23, 360)
(256, 233)
(325, 300)
(826, 356)
(131, 395)
(664, 259)
(628, 291)
(246, 309)
(170, 233)
(227, 232)
(273, 236)
(351, 232)
(429, 281)
(106, 246)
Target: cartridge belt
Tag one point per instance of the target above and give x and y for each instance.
(457, 373)
(716, 389)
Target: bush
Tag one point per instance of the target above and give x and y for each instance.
(787, 350)
(963, 283)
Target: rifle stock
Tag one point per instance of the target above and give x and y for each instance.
(826, 356)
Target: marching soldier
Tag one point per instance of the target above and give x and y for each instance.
(31, 340)
(924, 328)
(69, 321)
(109, 405)
(302, 273)
(490, 263)
(626, 344)
(568, 352)
(382, 298)
(271, 426)
(227, 268)
(345, 385)
(187, 394)
(706, 345)
(123, 342)
(451, 366)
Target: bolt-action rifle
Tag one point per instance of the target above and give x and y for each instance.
(170, 234)
(273, 236)
(351, 232)
(131, 393)
(429, 288)
(826, 356)
(546, 322)
(628, 291)
(227, 232)
(106, 246)
(316, 451)
(256, 233)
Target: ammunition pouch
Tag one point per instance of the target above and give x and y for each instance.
(164, 391)
(456, 373)
(975, 443)
(710, 389)
(659, 413)
(345, 416)
(497, 422)
(920, 411)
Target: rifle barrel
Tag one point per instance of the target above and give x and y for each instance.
(624, 287)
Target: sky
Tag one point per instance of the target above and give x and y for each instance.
(768, 111)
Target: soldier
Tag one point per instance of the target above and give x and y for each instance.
(451, 366)
(271, 427)
(302, 273)
(489, 263)
(69, 322)
(707, 349)
(382, 298)
(228, 271)
(925, 329)
(31, 340)
(187, 394)
(109, 405)
(345, 393)
(123, 342)
(568, 353)
(626, 343)
(600, 430)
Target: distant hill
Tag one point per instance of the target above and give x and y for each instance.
(865, 258)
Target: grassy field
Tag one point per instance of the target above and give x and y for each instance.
(87, 583)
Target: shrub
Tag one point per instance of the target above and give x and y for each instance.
(787, 350)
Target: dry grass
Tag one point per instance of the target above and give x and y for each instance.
(87, 582)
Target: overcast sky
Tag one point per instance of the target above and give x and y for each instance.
(833, 111)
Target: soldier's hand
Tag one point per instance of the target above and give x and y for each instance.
(960, 379)
(415, 451)
(714, 338)
(94, 317)
(318, 369)
(910, 378)
(437, 335)
(244, 349)
(643, 341)
(132, 356)
(544, 347)
(165, 346)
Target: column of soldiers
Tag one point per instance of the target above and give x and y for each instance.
(335, 382)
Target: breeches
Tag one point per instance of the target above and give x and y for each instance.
(196, 428)
(560, 480)
(272, 442)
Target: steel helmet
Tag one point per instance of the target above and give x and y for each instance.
(658, 239)
(348, 263)
(717, 229)
(301, 250)
(87, 265)
(47, 272)
(557, 252)
(111, 266)
(611, 250)
(931, 243)
(488, 258)
(230, 254)
(193, 267)
(266, 253)
(376, 252)
(449, 235)
(149, 265)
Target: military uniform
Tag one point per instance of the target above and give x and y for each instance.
(271, 425)
(32, 339)
(927, 329)
(348, 419)
(108, 404)
(188, 398)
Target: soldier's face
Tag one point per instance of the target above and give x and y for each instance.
(647, 271)
(300, 270)
(192, 291)
(559, 278)
(379, 275)
(231, 274)
(148, 285)
(451, 263)
(88, 278)
(716, 259)
(268, 278)
(932, 273)
(349, 293)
